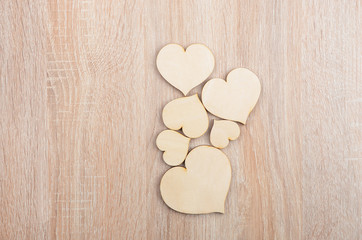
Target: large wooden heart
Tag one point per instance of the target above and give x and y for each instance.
(234, 98)
(185, 69)
(202, 186)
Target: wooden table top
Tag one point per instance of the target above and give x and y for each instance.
(81, 102)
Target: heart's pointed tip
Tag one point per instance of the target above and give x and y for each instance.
(184, 92)
(243, 120)
(222, 211)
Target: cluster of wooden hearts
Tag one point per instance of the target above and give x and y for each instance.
(202, 185)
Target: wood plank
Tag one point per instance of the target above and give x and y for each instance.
(81, 103)
(24, 209)
(331, 89)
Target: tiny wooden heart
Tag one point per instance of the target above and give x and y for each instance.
(175, 146)
(185, 69)
(187, 113)
(202, 186)
(222, 131)
(233, 99)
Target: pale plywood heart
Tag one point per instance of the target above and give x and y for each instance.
(234, 98)
(187, 113)
(174, 145)
(185, 69)
(202, 186)
(222, 131)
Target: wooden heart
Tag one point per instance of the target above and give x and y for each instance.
(222, 131)
(185, 69)
(233, 99)
(202, 186)
(174, 145)
(187, 113)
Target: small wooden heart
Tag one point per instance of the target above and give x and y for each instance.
(222, 131)
(185, 69)
(187, 113)
(202, 186)
(174, 145)
(234, 98)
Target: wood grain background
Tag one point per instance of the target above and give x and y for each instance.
(81, 102)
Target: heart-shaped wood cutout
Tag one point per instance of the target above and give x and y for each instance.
(187, 113)
(222, 131)
(174, 145)
(202, 186)
(233, 99)
(185, 69)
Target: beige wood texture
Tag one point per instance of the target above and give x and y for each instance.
(201, 186)
(174, 145)
(185, 68)
(81, 102)
(187, 114)
(222, 132)
(233, 98)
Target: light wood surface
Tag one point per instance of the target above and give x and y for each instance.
(81, 103)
